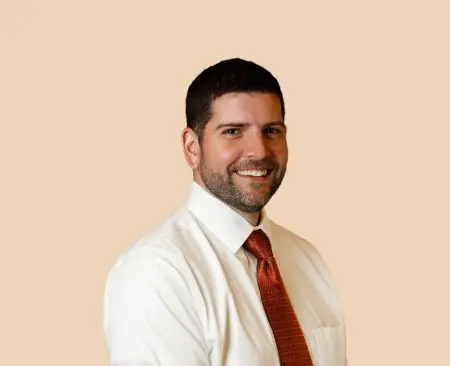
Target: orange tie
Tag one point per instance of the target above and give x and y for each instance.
(291, 344)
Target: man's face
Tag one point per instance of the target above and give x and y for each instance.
(244, 151)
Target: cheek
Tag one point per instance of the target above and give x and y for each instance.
(281, 152)
(228, 155)
(220, 156)
(284, 156)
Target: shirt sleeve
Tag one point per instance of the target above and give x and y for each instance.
(150, 316)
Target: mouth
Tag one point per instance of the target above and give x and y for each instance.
(254, 173)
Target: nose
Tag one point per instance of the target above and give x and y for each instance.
(255, 146)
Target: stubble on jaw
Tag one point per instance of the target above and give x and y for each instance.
(223, 186)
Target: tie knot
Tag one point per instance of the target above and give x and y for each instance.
(258, 244)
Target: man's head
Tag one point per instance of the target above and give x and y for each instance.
(235, 130)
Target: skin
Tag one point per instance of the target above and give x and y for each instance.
(246, 131)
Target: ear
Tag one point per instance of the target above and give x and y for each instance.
(191, 147)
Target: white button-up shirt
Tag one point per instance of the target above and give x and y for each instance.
(186, 294)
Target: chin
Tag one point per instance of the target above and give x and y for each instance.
(257, 192)
(256, 202)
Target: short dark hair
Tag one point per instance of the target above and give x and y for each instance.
(227, 76)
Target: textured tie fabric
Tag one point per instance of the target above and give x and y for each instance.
(291, 344)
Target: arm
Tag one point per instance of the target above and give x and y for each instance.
(150, 318)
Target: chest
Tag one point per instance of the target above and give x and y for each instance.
(237, 331)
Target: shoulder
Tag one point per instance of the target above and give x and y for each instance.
(299, 252)
(294, 241)
(151, 299)
(157, 257)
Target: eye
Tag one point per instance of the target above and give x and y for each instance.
(272, 130)
(231, 131)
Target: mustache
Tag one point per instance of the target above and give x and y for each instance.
(265, 164)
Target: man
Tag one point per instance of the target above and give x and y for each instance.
(219, 283)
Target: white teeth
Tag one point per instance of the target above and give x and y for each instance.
(254, 173)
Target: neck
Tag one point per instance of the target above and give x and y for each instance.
(253, 218)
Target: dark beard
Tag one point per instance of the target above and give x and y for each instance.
(223, 187)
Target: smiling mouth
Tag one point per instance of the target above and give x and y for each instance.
(254, 172)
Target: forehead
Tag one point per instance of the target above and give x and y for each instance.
(254, 107)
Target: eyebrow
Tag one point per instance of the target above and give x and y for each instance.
(243, 124)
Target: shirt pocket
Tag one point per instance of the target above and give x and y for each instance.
(329, 346)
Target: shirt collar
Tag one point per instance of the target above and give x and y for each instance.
(225, 223)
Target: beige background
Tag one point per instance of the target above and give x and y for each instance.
(92, 105)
